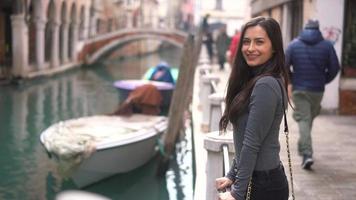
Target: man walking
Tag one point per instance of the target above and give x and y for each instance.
(314, 64)
(222, 45)
(208, 37)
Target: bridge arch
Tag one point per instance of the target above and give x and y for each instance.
(98, 47)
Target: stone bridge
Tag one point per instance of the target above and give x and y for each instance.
(96, 47)
(45, 37)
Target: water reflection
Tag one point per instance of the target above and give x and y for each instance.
(27, 109)
(180, 174)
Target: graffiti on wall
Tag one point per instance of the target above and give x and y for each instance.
(332, 34)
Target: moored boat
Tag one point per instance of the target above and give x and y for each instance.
(127, 86)
(161, 76)
(104, 145)
(173, 71)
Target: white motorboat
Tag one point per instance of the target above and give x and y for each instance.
(104, 145)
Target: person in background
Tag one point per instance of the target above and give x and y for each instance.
(256, 99)
(222, 45)
(208, 37)
(314, 64)
(233, 46)
(205, 23)
(209, 42)
(162, 72)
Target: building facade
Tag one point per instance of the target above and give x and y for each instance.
(232, 13)
(337, 20)
(45, 33)
(43, 37)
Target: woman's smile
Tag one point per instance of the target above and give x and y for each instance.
(251, 56)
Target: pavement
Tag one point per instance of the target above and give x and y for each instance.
(333, 175)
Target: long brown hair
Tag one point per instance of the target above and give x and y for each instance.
(241, 80)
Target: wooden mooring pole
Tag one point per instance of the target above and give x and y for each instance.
(181, 96)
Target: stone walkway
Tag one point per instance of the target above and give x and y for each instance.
(334, 140)
(334, 171)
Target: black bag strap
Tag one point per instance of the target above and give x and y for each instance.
(286, 129)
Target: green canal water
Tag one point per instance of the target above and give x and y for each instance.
(26, 109)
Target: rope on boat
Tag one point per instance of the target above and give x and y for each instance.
(161, 147)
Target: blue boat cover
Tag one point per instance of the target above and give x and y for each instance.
(162, 72)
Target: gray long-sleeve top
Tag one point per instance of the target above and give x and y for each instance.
(256, 134)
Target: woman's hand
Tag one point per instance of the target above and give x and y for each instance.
(226, 196)
(222, 183)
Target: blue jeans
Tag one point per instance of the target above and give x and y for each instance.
(270, 185)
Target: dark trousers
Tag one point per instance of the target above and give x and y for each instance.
(209, 48)
(307, 107)
(222, 60)
(270, 185)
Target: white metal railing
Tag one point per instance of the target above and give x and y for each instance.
(226, 160)
(219, 146)
(225, 147)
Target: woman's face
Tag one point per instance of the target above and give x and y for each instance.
(256, 46)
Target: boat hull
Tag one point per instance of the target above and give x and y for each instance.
(108, 162)
(113, 153)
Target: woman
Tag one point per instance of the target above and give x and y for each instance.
(255, 107)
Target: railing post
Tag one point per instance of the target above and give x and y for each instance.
(203, 70)
(213, 143)
(206, 90)
(215, 101)
(203, 61)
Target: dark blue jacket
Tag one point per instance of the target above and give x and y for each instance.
(313, 59)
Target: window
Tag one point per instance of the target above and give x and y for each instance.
(297, 18)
